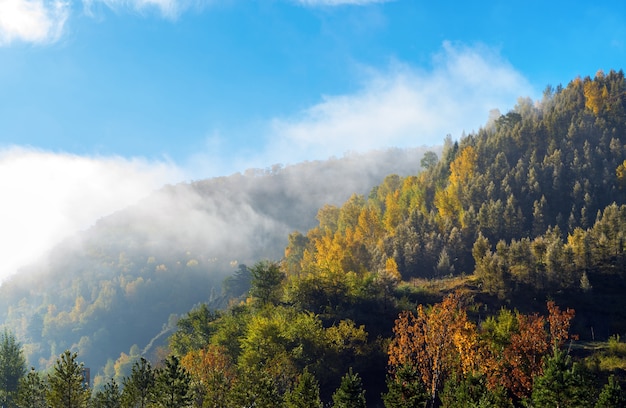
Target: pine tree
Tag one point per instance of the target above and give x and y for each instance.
(405, 389)
(12, 368)
(109, 397)
(67, 383)
(471, 391)
(612, 395)
(138, 387)
(32, 391)
(172, 385)
(350, 393)
(266, 282)
(562, 384)
(305, 394)
(255, 388)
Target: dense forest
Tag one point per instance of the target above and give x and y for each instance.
(493, 278)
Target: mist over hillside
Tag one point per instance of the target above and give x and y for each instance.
(121, 282)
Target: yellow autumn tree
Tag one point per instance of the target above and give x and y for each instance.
(391, 269)
(369, 228)
(437, 341)
(593, 96)
(413, 193)
(393, 211)
(463, 167)
(448, 204)
(329, 252)
(450, 201)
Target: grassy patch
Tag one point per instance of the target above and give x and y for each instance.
(608, 356)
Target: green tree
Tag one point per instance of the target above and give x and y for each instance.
(266, 282)
(172, 385)
(193, 331)
(471, 391)
(109, 397)
(429, 159)
(238, 284)
(562, 384)
(612, 395)
(255, 388)
(12, 368)
(350, 393)
(305, 394)
(295, 250)
(405, 389)
(138, 387)
(68, 388)
(32, 391)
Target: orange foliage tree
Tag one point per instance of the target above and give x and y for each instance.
(515, 364)
(212, 374)
(521, 361)
(440, 341)
(437, 341)
(559, 323)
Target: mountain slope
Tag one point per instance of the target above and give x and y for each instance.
(532, 205)
(117, 284)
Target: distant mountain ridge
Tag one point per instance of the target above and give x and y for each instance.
(114, 285)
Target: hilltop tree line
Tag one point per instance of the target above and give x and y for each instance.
(531, 204)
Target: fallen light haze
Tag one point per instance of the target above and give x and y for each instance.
(48, 196)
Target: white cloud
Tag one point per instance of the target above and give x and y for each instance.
(46, 197)
(35, 21)
(403, 106)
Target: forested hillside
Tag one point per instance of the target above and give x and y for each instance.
(531, 204)
(111, 289)
(515, 237)
(494, 278)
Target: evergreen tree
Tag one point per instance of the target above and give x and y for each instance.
(172, 385)
(138, 387)
(305, 394)
(255, 388)
(471, 391)
(405, 389)
(109, 397)
(12, 368)
(612, 395)
(239, 282)
(562, 384)
(266, 282)
(32, 391)
(67, 383)
(350, 393)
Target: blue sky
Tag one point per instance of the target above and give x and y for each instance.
(104, 100)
